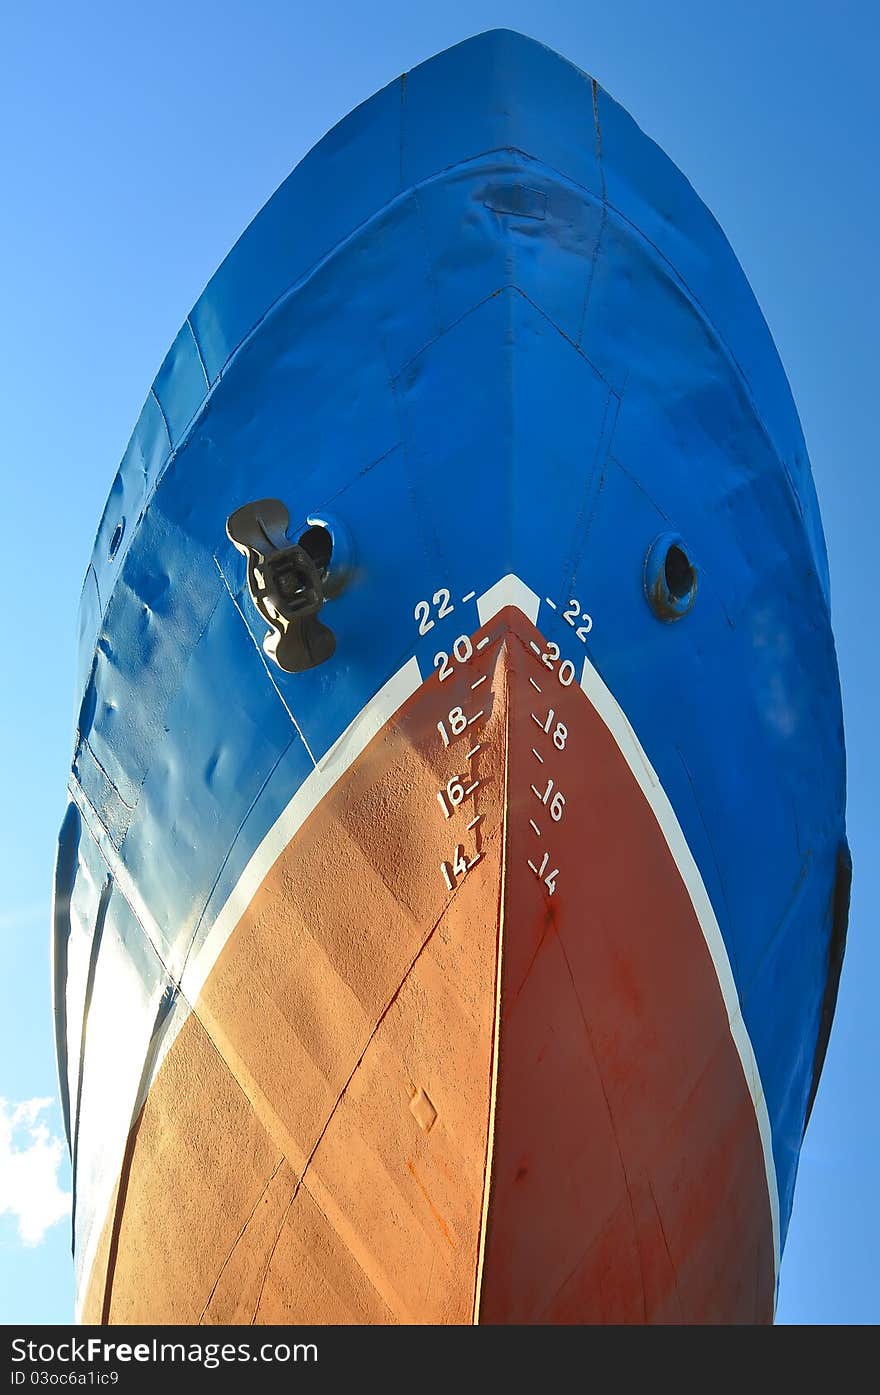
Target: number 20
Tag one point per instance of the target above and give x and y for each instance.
(462, 649)
(565, 672)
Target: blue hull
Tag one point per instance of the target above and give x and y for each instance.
(507, 340)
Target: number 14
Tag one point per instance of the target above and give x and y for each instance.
(550, 879)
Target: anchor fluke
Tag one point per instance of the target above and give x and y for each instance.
(286, 582)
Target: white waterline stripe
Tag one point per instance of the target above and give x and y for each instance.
(508, 591)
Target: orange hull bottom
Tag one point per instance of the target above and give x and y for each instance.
(464, 1057)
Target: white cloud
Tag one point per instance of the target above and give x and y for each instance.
(30, 1156)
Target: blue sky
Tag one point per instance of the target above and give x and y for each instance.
(137, 143)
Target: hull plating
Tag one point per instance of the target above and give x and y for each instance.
(484, 332)
(434, 1077)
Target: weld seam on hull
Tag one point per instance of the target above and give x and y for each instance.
(496, 1033)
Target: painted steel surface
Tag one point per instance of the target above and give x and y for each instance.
(484, 328)
(457, 1063)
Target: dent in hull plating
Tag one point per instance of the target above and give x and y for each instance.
(368, 1015)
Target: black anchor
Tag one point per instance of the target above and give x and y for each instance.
(287, 585)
